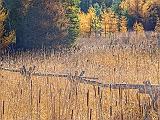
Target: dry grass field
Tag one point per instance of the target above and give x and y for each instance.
(109, 60)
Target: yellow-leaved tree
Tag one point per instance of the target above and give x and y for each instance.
(89, 22)
(96, 25)
(123, 24)
(85, 23)
(138, 27)
(109, 22)
(134, 7)
(139, 33)
(91, 16)
(5, 37)
(94, 20)
(114, 23)
(106, 20)
(146, 8)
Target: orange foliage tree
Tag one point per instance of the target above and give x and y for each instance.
(85, 23)
(114, 23)
(123, 24)
(106, 20)
(89, 22)
(109, 22)
(134, 7)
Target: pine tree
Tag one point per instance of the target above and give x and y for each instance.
(5, 37)
(95, 21)
(106, 20)
(85, 23)
(98, 9)
(114, 23)
(110, 22)
(72, 14)
(102, 3)
(89, 3)
(124, 5)
(96, 25)
(91, 15)
(123, 24)
(138, 27)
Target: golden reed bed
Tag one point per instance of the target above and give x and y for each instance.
(52, 98)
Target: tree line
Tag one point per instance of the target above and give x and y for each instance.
(57, 23)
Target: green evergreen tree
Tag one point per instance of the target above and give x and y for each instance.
(98, 9)
(116, 7)
(89, 3)
(102, 2)
(74, 26)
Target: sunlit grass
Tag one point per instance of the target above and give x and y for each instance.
(50, 98)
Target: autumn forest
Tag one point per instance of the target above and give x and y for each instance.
(58, 23)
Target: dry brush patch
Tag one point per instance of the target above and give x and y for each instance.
(56, 98)
(51, 98)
